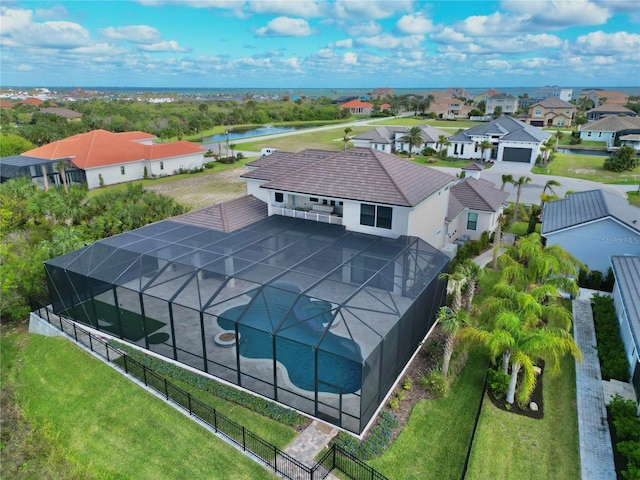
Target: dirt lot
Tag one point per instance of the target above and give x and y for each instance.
(199, 191)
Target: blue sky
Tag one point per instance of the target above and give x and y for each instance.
(313, 44)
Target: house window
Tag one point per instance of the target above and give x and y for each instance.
(472, 221)
(455, 148)
(560, 123)
(538, 112)
(313, 199)
(588, 134)
(121, 170)
(161, 165)
(376, 216)
(462, 149)
(279, 197)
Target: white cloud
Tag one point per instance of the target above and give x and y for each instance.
(497, 64)
(56, 35)
(601, 43)
(57, 11)
(298, 8)
(558, 13)
(348, 43)
(449, 35)
(164, 46)
(13, 20)
(285, 27)
(414, 24)
(326, 53)
(350, 58)
(24, 68)
(387, 41)
(133, 34)
(100, 49)
(370, 9)
(292, 63)
(368, 29)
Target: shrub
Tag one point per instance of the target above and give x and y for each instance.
(429, 152)
(400, 394)
(498, 382)
(613, 361)
(394, 403)
(435, 384)
(575, 140)
(623, 159)
(626, 425)
(407, 383)
(374, 443)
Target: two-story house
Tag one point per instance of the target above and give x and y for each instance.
(547, 91)
(607, 110)
(508, 103)
(550, 112)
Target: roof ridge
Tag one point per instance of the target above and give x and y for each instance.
(393, 181)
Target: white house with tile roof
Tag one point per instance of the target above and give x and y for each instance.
(374, 192)
(592, 226)
(512, 140)
(389, 138)
(102, 157)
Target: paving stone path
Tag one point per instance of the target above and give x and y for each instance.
(596, 452)
(310, 443)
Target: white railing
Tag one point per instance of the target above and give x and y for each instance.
(307, 215)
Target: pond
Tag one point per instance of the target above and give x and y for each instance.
(584, 151)
(251, 132)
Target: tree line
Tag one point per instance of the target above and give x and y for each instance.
(36, 225)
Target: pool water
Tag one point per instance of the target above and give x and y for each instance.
(302, 327)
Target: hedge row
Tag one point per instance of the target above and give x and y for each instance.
(374, 443)
(252, 402)
(613, 361)
(626, 426)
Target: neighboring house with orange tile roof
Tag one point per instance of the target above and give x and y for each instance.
(6, 104)
(119, 157)
(482, 97)
(602, 96)
(36, 102)
(358, 107)
(374, 192)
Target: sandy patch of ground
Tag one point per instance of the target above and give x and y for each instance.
(199, 191)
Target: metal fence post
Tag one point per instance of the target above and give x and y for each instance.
(75, 332)
(106, 347)
(189, 402)
(166, 389)
(125, 364)
(244, 441)
(144, 375)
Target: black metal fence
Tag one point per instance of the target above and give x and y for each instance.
(282, 463)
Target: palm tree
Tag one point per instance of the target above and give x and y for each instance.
(45, 179)
(497, 240)
(61, 167)
(443, 141)
(346, 138)
(484, 145)
(413, 137)
(451, 322)
(528, 263)
(558, 135)
(506, 179)
(471, 271)
(519, 184)
(232, 146)
(525, 345)
(544, 197)
(455, 282)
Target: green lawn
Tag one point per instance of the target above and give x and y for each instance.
(323, 139)
(507, 445)
(634, 197)
(444, 124)
(488, 278)
(587, 167)
(520, 228)
(434, 443)
(82, 420)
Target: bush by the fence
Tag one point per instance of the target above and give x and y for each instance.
(257, 404)
(374, 443)
(613, 361)
(626, 434)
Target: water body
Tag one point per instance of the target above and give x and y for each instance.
(580, 151)
(252, 132)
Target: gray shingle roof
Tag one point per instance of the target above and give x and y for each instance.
(361, 174)
(612, 124)
(583, 207)
(387, 134)
(612, 108)
(227, 216)
(508, 127)
(627, 273)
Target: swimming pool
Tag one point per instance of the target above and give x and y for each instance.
(302, 323)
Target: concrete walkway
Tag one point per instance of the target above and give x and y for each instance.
(310, 443)
(596, 452)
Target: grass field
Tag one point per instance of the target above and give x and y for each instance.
(72, 417)
(324, 139)
(443, 124)
(434, 443)
(587, 167)
(511, 446)
(634, 197)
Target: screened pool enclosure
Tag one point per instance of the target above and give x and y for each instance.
(308, 314)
